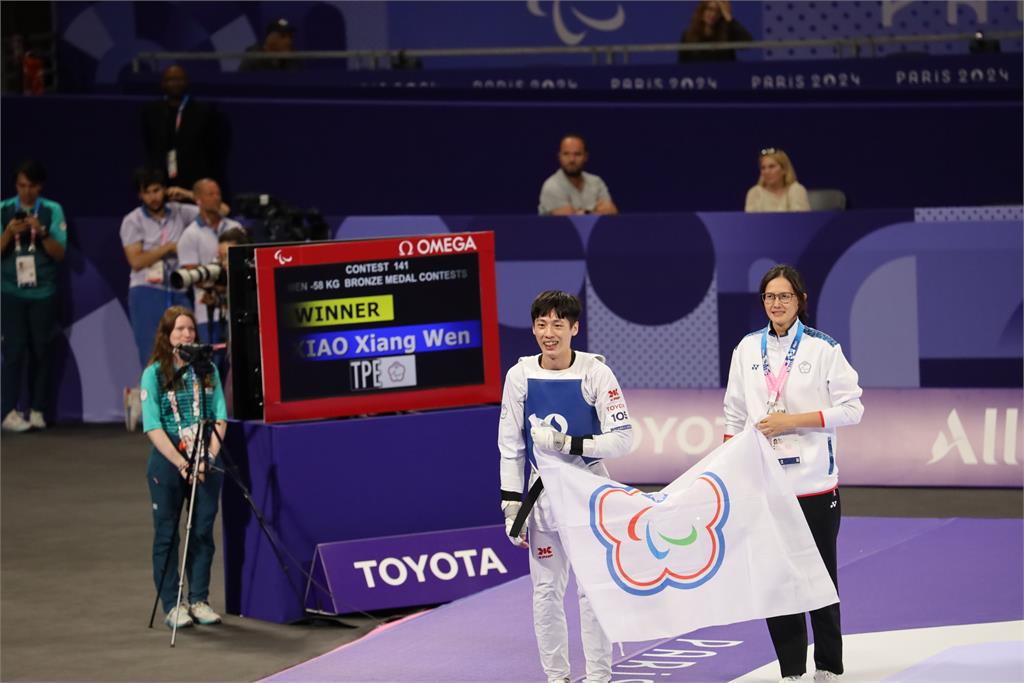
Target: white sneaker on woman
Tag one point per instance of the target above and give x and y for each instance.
(35, 420)
(178, 617)
(203, 614)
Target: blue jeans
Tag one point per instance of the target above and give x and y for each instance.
(146, 305)
(169, 491)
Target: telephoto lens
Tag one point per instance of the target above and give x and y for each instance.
(207, 275)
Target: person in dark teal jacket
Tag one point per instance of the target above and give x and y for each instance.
(32, 246)
(182, 404)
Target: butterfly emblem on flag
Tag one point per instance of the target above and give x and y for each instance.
(653, 541)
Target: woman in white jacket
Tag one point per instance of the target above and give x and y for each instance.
(793, 384)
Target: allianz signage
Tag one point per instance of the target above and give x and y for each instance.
(908, 437)
(411, 569)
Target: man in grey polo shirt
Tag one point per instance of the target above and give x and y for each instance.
(198, 246)
(570, 190)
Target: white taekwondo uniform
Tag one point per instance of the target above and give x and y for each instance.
(583, 400)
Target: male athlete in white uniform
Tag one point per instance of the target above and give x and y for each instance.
(567, 403)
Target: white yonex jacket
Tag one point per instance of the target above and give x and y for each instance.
(820, 380)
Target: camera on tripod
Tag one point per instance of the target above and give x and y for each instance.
(201, 276)
(199, 356)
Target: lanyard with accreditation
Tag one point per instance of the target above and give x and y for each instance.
(786, 446)
(25, 264)
(172, 153)
(186, 435)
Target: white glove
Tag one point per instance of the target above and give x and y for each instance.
(547, 438)
(511, 509)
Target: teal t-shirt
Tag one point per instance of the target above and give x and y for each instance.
(51, 215)
(156, 404)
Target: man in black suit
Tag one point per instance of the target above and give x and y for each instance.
(184, 137)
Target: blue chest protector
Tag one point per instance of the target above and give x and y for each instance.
(560, 402)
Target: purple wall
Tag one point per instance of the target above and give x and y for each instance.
(402, 157)
(337, 480)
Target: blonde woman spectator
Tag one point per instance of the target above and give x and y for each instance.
(777, 188)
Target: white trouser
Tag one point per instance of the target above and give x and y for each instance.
(549, 570)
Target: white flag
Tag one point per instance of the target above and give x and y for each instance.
(723, 543)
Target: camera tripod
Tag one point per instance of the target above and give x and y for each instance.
(198, 461)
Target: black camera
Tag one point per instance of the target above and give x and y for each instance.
(20, 215)
(199, 356)
(203, 276)
(276, 221)
(193, 353)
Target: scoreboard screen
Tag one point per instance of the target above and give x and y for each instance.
(370, 326)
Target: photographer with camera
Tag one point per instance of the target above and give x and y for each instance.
(199, 256)
(150, 235)
(32, 245)
(182, 406)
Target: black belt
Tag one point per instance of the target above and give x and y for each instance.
(524, 510)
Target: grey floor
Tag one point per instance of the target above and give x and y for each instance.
(75, 584)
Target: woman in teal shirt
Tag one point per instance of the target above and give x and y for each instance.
(174, 397)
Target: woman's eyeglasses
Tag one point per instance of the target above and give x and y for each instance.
(768, 150)
(784, 297)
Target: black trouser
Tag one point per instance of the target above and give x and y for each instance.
(789, 633)
(28, 330)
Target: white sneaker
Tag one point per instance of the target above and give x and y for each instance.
(792, 678)
(202, 614)
(178, 617)
(35, 420)
(14, 422)
(124, 402)
(823, 675)
(132, 408)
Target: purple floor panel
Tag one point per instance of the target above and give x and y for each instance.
(981, 663)
(486, 637)
(894, 574)
(964, 571)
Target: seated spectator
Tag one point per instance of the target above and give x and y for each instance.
(32, 247)
(712, 22)
(279, 38)
(777, 188)
(570, 190)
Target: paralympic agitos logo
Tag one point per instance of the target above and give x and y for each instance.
(652, 541)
